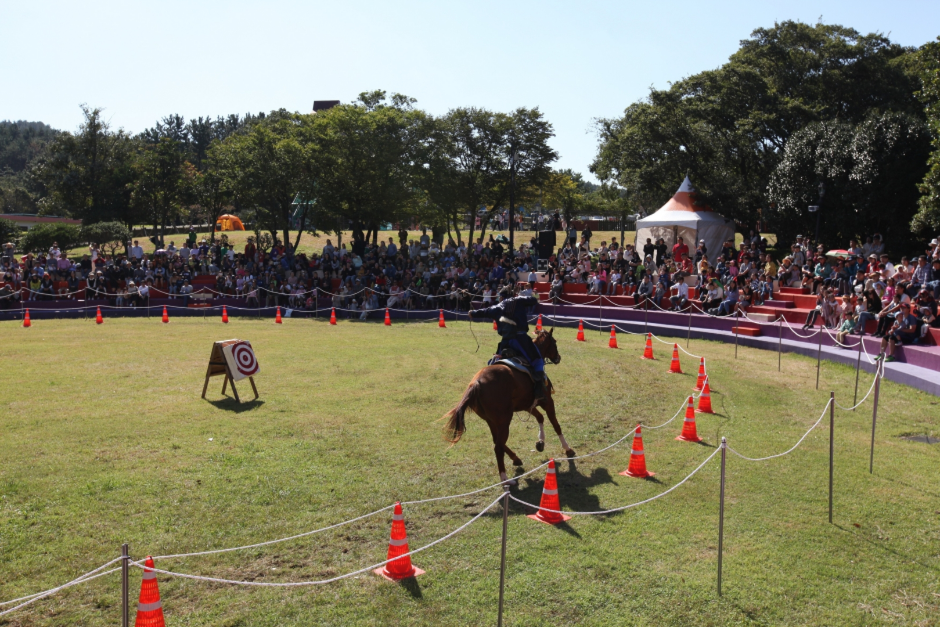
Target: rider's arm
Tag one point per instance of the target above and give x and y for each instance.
(492, 313)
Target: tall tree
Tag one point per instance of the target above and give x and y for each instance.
(870, 172)
(927, 220)
(727, 128)
(89, 174)
(366, 157)
(163, 183)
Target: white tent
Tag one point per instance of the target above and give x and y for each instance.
(681, 217)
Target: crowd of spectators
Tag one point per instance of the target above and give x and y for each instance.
(852, 286)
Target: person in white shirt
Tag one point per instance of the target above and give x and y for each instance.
(136, 251)
(681, 300)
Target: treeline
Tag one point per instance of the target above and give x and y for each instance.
(357, 166)
(796, 106)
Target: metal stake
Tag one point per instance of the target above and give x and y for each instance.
(819, 356)
(832, 427)
(689, 337)
(600, 315)
(736, 326)
(858, 365)
(874, 418)
(502, 559)
(721, 511)
(780, 343)
(125, 609)
(646, 316)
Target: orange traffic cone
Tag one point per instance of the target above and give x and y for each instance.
(637, 466)
(277, 317)
(149, 607)
(705, 400)
(388, 319)
(688, 427)
(550, 500)
(224, 314)
(398, 567)
(98, 318)
(440, 321)
(648, 351)
(675, 367)
(538, 323)
(166, 316)
(333, 316)
(613, 338)
(700, 382)
(26, 320)
(580, 330)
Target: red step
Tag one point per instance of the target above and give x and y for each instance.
(752, 332)
(793, 290)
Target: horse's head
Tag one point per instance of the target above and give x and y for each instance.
(545, 342)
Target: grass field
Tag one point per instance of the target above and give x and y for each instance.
(105, 440)
(310, 244)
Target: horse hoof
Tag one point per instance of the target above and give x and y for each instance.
(517, 462)
(570, 453)
(540, 446)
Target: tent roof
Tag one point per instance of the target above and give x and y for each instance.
(681, 210)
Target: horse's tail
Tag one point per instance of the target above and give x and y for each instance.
(455, 423)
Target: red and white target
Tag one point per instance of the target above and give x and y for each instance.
(241, 359)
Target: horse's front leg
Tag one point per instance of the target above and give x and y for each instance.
(540, 445)
(548, 404)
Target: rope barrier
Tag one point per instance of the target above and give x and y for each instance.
(874, 380)
(332, 579)
(619, 509)
(800, 441)
(41, 595)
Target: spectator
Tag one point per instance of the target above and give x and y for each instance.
(681, 299)
(905, 330)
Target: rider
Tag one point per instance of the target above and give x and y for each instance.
(513, 326)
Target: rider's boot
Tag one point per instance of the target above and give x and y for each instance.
(539, 393)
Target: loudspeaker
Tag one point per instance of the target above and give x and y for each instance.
(546, 244)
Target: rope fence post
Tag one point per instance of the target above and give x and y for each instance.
(832, 428)
(721, 510)
(502, 559)
(689, 336)
(780, 343)
(858, 365)
(646, 316)
(736, 327)
(125, 609)
(819, 356)
(874, 417)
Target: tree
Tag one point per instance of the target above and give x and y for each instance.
(41, 237)
(365, 159)
(266, 167)
(927, 219)
(527, 155)
(211, 189)
(89, 174)
(163, 183)
(108, 236)
(870, 171)
(727, 128)
(9, 232)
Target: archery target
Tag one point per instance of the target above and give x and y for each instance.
(241, 359)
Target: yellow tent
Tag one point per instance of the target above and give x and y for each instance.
(229, 222)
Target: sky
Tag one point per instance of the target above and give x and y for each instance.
(575, 61)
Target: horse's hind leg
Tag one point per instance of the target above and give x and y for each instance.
(499, 429)
(549, 405)
(540, 445)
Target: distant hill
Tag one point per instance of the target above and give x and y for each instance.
(21, 142)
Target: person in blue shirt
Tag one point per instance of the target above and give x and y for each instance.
(512, 324)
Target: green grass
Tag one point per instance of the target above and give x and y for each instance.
(310, 244)
(105, 440)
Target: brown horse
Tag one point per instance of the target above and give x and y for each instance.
(496, 393)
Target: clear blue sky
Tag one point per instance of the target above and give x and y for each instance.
(574, 60)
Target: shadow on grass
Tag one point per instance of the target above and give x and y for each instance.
(412, 586)
(895, 552)
(230, 404)
(573, 491)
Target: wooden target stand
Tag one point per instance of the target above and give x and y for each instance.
(219, 366)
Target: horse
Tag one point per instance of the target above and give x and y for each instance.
(495, 393)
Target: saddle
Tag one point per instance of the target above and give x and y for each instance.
(516, 361)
